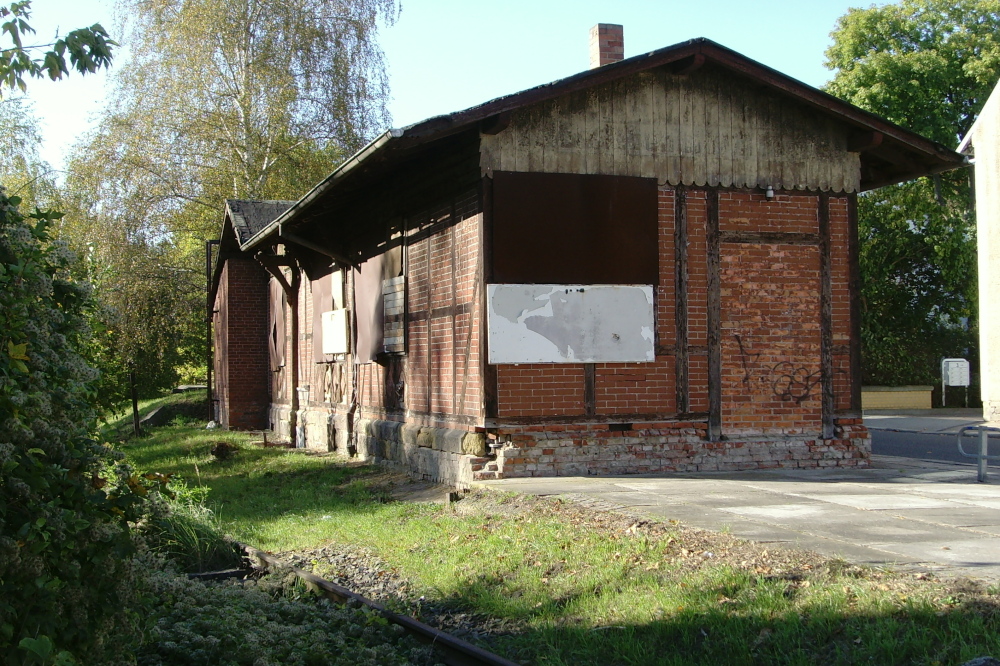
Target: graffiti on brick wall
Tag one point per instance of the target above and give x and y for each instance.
(793, 383)
(786, 380)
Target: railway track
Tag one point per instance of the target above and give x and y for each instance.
(452, 650)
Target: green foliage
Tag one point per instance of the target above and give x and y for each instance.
(185, 531)
(221, 99)
(22, 171)
(64, 543)
(265, 623)
(928, 65)
(88, 50)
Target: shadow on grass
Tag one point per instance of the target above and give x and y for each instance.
(813, 634)
(591, 597)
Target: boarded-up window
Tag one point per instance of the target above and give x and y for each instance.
(574, 229)
(369, 305)
(394, 307)
(276, 325)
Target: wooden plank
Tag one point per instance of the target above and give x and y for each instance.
(672, 127)
(712, 131)
(428, 374)
(786, 237)
(854, 289)
(592, 133)
(654, 417)
(642, 110)
(488, 372)
(826, 317)
(686, 110)
(607, 130)
(572, 127)
(714, 319)
(699, 147)
(620, 128)
(658, 126)
(546, 133)
(454, 319)
(590, 389)
(683, 398)
(751, 113)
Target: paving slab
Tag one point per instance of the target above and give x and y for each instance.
(898, 512)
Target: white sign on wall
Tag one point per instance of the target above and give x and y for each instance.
(335, 337)
(559, 323)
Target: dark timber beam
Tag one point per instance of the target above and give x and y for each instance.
(854, 290)
(274, 264)
(826, 317)
(714, 319)
(859, 142)
(683, 398)
(495, 124)
(688, 65)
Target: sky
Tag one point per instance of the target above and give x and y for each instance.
(447, 55)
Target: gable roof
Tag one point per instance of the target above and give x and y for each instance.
(889, 153)
(249, 216)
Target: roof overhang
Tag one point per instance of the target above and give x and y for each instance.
(889, 153)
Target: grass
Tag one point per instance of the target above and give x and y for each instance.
(582, 586)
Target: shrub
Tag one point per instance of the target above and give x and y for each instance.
(264, 623)
(65, 548)
(186, 532)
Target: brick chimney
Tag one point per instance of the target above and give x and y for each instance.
(607, 44)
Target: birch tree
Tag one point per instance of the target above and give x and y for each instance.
(219, 99)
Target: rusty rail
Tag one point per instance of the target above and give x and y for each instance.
(454, 651)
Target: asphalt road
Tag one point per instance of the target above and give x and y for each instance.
(928, 446)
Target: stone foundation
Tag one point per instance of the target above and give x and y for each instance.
(650, 448)
(459, 457)
(443, 455)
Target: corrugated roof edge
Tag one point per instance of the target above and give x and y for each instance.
(444, 125)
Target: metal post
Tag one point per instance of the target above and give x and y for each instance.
(135, 401)
(984, 440)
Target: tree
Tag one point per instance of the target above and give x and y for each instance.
(221, 99)
(929, 66)
(88, 49)
(23, 172)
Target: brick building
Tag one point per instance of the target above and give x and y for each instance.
(649, 266)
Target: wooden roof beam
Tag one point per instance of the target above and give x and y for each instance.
(859, 142)
(687, 65)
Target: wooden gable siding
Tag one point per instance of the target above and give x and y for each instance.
(707, 128)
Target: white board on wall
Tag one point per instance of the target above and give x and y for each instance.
(335, 337)
(559, 323)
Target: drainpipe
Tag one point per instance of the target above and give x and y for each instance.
(209, 316)
(274, 264)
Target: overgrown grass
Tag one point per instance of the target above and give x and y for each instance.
(584, 587)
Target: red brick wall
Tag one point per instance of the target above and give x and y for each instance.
(540, 389)
(441, 368)
(241, 362)
(840, 274)
(770, 318)
(770, 339)
(697, 257)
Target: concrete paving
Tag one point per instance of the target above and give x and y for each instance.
(938, 421)
(908, 513)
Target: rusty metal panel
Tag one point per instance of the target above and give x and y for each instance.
(574, 229)
(559, 323)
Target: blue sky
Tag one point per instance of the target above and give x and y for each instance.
(446, 55)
